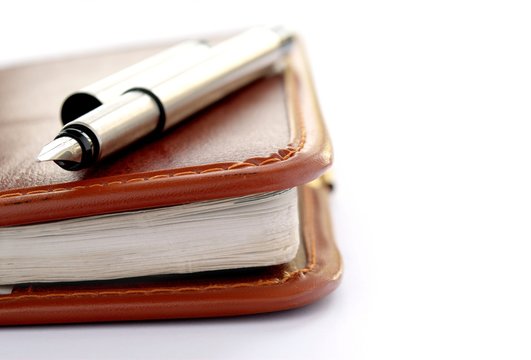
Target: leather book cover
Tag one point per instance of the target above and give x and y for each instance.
(267, 136)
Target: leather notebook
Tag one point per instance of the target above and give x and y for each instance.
(268, 136)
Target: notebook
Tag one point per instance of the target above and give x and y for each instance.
(240, 185)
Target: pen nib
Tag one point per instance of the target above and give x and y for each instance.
(61, 149)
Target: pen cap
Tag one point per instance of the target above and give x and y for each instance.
(231, 64)
(147, 73)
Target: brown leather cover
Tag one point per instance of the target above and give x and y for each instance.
(314, 273)
(267, 136)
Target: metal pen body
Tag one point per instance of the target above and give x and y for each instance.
(142, 111)
(231, 65)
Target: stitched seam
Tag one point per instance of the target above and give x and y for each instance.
(281, 155)
(232, 166)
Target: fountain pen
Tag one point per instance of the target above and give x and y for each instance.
(145, 110)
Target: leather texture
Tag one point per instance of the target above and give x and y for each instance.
(268, 136)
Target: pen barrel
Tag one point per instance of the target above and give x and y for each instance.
(146, 73)
(230, 65)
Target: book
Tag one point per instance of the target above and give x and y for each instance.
(258, 156)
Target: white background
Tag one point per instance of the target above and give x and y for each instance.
(428, 104)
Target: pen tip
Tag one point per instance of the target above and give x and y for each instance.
(61, 149)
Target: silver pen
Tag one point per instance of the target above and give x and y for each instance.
(144, 110)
